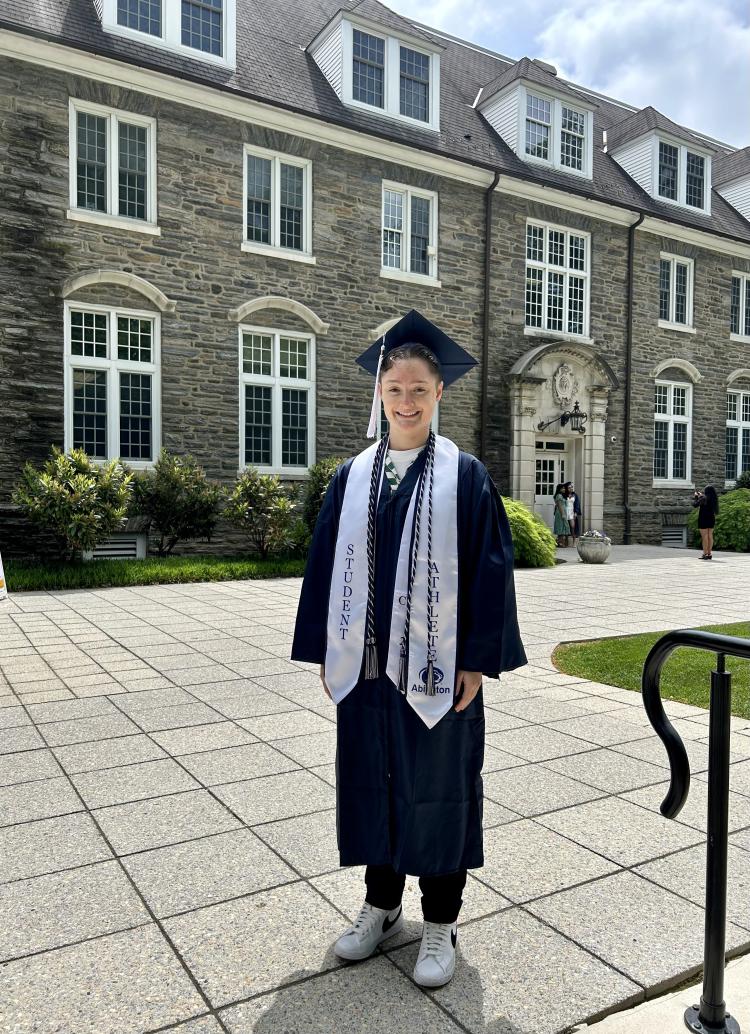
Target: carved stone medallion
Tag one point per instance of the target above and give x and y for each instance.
(565, 387)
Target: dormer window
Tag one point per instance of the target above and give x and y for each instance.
(555, 132)
(543, 122)
(203, 28)
(397, 76)
(681, 175)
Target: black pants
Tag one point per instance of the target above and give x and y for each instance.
(441, 895)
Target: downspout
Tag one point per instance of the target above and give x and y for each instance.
(628, 379)
(486, 323)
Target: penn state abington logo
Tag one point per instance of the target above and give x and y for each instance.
(437, 674)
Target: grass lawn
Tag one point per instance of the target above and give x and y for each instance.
(686, 675)
(100, 574)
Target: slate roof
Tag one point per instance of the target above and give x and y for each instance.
(274, 67)
(646, 121)
(533, 72)
(729, 167)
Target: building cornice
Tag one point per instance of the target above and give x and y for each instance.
(225, 103)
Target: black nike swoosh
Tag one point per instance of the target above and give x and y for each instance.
(454, 938)
(388, 923)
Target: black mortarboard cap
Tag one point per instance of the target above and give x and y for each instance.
(414, 329)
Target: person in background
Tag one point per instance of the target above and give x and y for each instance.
(561, 527)
(574, 505)
(707, 502)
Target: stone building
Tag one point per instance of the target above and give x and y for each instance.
(210, 207)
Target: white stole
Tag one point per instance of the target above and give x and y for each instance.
(432, 626)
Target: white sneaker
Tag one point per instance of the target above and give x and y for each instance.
(437, 954)
(371, 926)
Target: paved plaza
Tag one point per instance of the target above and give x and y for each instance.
(167, 819)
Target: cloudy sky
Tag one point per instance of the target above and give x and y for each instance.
(688, 58)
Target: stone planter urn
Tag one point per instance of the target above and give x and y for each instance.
(594, 548)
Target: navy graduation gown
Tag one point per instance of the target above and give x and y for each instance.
(409, 796)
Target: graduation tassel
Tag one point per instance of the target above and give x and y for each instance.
(403, 670)
(371, 658)
(430, 679)
(376, 411)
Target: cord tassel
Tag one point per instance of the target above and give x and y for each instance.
(430, 679)
(403, 671)
(372, 428)
(371, 658)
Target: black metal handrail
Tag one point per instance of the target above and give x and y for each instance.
(711, 1016)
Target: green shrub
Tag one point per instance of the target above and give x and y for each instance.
(732, 529)
(533, 542)
(300, 537)
(79, 501)
(316, 487)
(262, 509)
(177, 500)
(743, 481)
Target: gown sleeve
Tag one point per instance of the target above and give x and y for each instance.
(310, 631)
(489, 639)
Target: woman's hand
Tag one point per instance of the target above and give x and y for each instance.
(467, 687)
(323, 680)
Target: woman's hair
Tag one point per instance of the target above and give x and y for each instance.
(567, 485)
(710, 494)
(560, 489)
(412, 352)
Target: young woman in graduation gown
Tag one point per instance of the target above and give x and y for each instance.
(403, 651)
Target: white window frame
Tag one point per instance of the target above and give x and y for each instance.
(405, 273)
(112, 216)
(391, 74)
(277, 383)
(741, 426)
(688, 327)
(744, 279)
(566, 271)
(113, 367)
(171, 32)
(683, 149)
(274, 249)
(556, 106)
(670, 419)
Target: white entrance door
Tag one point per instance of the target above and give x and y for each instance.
(550, 472)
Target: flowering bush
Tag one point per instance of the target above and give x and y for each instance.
(598, 536)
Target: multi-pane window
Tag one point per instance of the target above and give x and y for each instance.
(557, 279)
(414, 84)
(141, 15)
(672, 431)
(202, 25)
(392, 76)
(409, 232)
(676, 290)
(682, 175)
(112, 383)
(368, 69)
(112, 163)
(196, 25)
(277, 399)
(277, 201)
(556, 133)
(740, 305)
(737, 434)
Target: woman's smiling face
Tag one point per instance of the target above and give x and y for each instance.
(410, 393)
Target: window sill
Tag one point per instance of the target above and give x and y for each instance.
(393, 116)
(558, 335)
(682, 485)
(743, 338)
(115, 222)
(281, 253)
(682, 328)
(410, 278)
(545, 164)
(297, 474)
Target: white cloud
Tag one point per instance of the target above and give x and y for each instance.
(688, 58)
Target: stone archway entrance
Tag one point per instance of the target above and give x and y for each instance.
(548, 380)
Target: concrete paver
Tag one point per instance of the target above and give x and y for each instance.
(192, 881)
